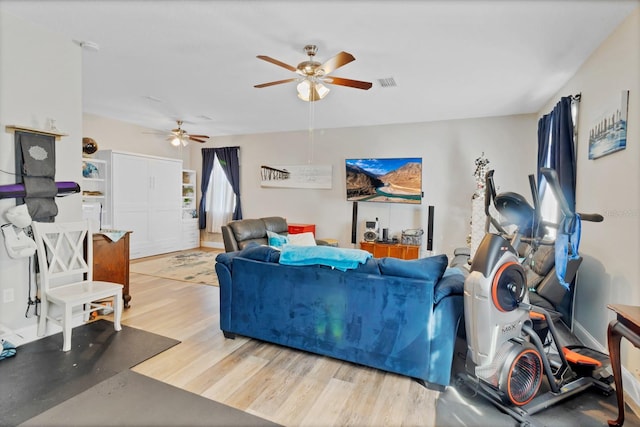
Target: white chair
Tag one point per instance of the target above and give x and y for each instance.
(65, 258)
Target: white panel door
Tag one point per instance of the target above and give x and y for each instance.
(131, 189)
(165, 220)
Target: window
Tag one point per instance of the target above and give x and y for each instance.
(220, 199)
(549, 209)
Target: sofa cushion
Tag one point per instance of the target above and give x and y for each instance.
(302, 239)
(369, 267)
(451, 283)
(277, 240)
(226, 258)
(252, 251)
(430, 268)
(260, 253)
(276, 224)
(248, 229)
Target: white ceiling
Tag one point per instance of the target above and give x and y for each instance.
(196, 60)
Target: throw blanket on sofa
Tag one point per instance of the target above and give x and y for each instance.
(339, 258)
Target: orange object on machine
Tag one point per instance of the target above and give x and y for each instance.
(579, 359)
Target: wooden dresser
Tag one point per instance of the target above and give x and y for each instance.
(111, 261)
(395, 250)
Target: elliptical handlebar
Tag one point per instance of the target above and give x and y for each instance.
(490, 195)
(591, 217)
(530, 223)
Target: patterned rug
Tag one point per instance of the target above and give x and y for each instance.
(188, 266)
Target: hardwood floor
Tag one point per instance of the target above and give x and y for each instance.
(296, 388)
(282, 385)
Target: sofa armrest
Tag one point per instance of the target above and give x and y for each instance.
(230, 243)
(223, 272)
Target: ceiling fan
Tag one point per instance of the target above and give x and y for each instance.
(180, 136)
(314, 74)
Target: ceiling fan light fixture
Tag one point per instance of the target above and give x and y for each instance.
(311, 91)
(175, 141)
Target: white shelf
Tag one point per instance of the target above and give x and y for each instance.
(94, 189)
(190, 231)
(188, 193)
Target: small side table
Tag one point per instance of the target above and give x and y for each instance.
(627, 324)
(111, 261)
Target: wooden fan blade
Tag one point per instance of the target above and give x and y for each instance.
(275, 83)
(197, 139)
(276, 62)
(347, 82)
(331, 64)
(198, 136)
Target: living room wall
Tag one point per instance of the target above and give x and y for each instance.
(40, 79)
(448, 150)
(609, 185)
(121, 136)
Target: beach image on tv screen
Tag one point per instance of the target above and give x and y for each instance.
(393, 180)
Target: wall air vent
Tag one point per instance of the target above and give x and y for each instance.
(387, 82)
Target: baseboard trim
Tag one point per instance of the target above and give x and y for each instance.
(630, 384)
(214, 245)
(29, 333)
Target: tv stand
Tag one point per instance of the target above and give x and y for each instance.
(381, 249)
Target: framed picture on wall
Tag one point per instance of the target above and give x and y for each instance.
(609, 134)
(296, 176)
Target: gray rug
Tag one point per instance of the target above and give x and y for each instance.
(42, 376)
(133, 399)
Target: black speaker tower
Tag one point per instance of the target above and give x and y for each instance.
(354, 223)
(430, 229)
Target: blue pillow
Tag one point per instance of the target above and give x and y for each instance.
(451, 283)
(226, 258)
(430, 268)
(369, 267)
(277, 240)
(260, 253)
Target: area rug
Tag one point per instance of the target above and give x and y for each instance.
(187, 266)
(133, 399)
(42, 376)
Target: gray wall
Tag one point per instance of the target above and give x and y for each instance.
(448, 150)
(40, 79)
(609, 185)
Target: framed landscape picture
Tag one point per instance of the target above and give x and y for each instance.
(296, 176)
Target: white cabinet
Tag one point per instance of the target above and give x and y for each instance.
(190, 231)
(143, 196)
(189, 210)
(94, 179)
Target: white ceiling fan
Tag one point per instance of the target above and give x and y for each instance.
(180, 136)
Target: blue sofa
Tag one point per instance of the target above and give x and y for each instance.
(395, 315)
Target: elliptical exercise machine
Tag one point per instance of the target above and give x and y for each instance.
(513, 344)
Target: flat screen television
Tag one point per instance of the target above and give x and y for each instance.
(389, 180)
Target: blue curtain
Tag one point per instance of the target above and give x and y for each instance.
(556, 150)
(555, 142)
(229, 160)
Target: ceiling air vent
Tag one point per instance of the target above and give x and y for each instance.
(387, 82)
